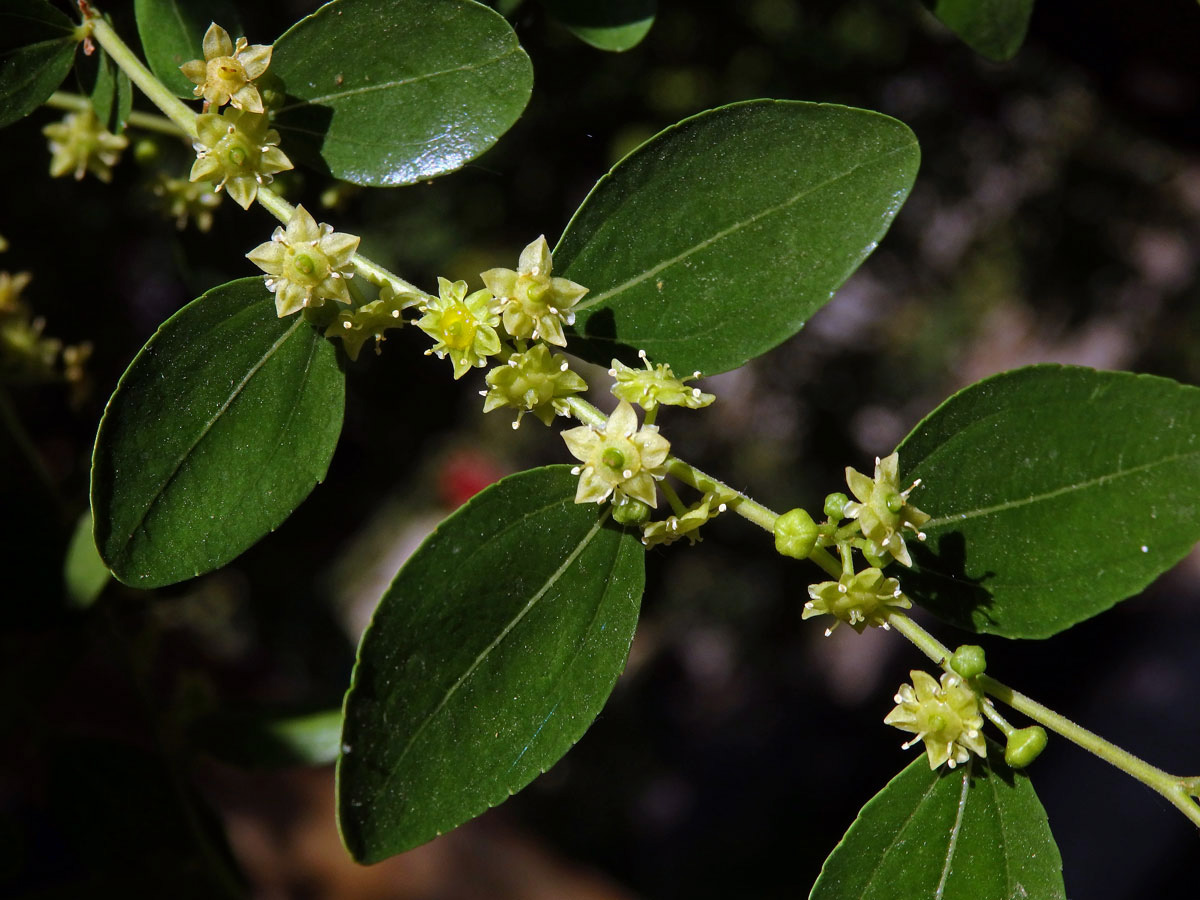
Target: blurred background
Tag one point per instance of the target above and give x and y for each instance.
(1056, 217)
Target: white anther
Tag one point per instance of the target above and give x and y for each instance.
(628, 473)
(575, 470)
(564, 367)
(347, 325)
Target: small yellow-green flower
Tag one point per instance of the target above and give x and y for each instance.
(185, 201)
(354, 327)
(463, 325)
(945, 716)
(672, 528)
(306, 263)
(237, 151)
(618, 459)
(883, 509)
(859, 600)
(10, 292)
(227, 72)
(79, 144)
(534, 303)
(655, 385)
(535, 381)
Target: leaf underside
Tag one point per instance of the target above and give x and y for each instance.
(37, 48)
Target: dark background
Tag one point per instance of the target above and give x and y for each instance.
(1056, 217)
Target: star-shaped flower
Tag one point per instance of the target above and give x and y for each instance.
(535, 381)
(535, 304)
(672, 528)
(79, 144)
(240, 149)
(356, 326)
(655, 385)
(462, 324)
(227, 72)
(618, 459)
(859, 600)
(306, 263)
(945, 716)
(883, 509)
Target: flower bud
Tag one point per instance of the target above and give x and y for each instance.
(1024, 746)
(795, 534)
(968, 660)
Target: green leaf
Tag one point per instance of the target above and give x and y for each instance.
(717, 239)
(219, 428)
(488, 657)
(973, 833)
(37, 48)
(615, 25)
(172, 33)
(993, 28)
(1056, 492)
(386, 94)
(109, 88)
(258, 740)
(84, 573)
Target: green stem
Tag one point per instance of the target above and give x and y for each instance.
(1173, 787)
(144, 121)
(172, 107)
(269, 200)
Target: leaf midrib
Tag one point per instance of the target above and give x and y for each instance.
(960, 814)
(234, 394)
(388, 85)
(394, 769)
(953, 518)
(730, 229)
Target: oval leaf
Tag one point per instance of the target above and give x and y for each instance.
(717, 239)
(37, 47)
(614, 25)
(488, 657)
(172, 33)
(219, 428)
(974, 833)
(1056, 492)
(386, 94)
(993, 28)
(84, 573)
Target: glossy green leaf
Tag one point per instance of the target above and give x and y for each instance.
(488, 657)
(993, 28)
(973, 833)
(392, 93)
(172, 33)
(219, 428)
(271, 740)
(84, 572)
(614, 25)
(1055, 492)
(717, 239)
(37, 47)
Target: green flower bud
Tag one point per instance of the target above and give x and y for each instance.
(835, 504)
(628, 511)
(795, 534)
(968, 660)
(1024, 746)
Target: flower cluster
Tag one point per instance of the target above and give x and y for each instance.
(306, 263)
(237, 151)
(228, 70)
(619, 459)
(883, 509)
(655, 385)
(26, 354)
(535, 381)
(80, 144)
(463, 325)
(945, 716)
(535, 304)
(859, 600)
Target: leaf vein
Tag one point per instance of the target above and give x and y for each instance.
(954, 832)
